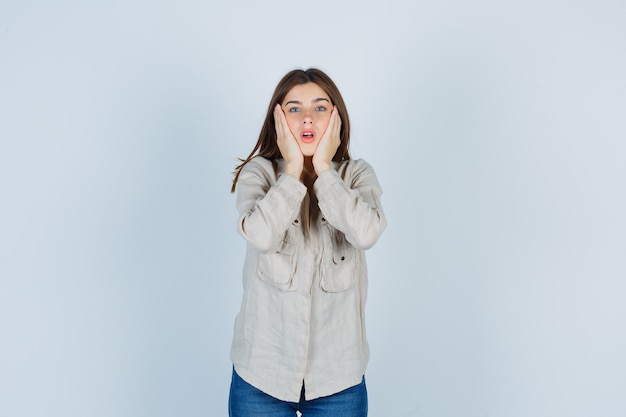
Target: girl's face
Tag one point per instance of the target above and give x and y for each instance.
(307, 109)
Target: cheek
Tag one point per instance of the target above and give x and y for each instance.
(323, 122)
(293, 123)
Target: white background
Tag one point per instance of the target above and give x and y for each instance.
(498, 134)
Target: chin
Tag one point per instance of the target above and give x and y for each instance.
(308, 149)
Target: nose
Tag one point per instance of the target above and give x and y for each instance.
(307, 118)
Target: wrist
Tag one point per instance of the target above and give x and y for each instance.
(321, 167)
(294, 169)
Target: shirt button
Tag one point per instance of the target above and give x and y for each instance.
(295, 221)
(343, 258)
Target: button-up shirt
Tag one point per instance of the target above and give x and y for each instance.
(305, 277)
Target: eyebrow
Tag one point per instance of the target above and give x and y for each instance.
(317, 100)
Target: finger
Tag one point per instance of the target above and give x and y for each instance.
(338, 121)
(338, 117)
(334, 126)
(330, 128)
(276, 118)
(278, 112)
(280, 122)
(333, 117)
(334, 120)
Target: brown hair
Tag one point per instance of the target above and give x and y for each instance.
(267, 146)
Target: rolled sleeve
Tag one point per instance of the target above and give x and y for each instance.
(267, 206)
(353, 208)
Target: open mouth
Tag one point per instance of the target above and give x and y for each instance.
(307, 136)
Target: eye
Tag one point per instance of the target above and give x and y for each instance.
(320, 108)
(294, 110)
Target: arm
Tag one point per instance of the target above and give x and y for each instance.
(352, 203)
(266, 207)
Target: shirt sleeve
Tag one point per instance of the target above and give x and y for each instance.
(351, 203)
(266, 206)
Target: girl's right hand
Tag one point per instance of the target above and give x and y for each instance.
(288, 145)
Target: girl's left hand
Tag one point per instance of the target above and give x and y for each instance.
(327, 147)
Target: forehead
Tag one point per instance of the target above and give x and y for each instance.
(306, 93)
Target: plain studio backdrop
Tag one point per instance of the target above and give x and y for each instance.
(498, 133)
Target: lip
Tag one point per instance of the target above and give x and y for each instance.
(307, 139)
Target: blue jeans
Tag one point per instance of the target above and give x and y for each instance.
(248, 401)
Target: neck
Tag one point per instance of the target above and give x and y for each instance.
(308, 173)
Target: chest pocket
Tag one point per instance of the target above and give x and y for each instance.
(279, 268)
(341, 270)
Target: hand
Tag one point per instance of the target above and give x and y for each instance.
(330, 141)
(287, 144)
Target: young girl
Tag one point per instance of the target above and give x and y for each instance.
(307, 212)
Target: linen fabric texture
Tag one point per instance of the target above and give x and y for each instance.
(305, 277)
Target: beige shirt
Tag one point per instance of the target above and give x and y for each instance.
(305, 278)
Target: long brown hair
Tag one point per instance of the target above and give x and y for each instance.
(267, 146)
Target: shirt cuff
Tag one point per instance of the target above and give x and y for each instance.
(326, 181)
(290, 189)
